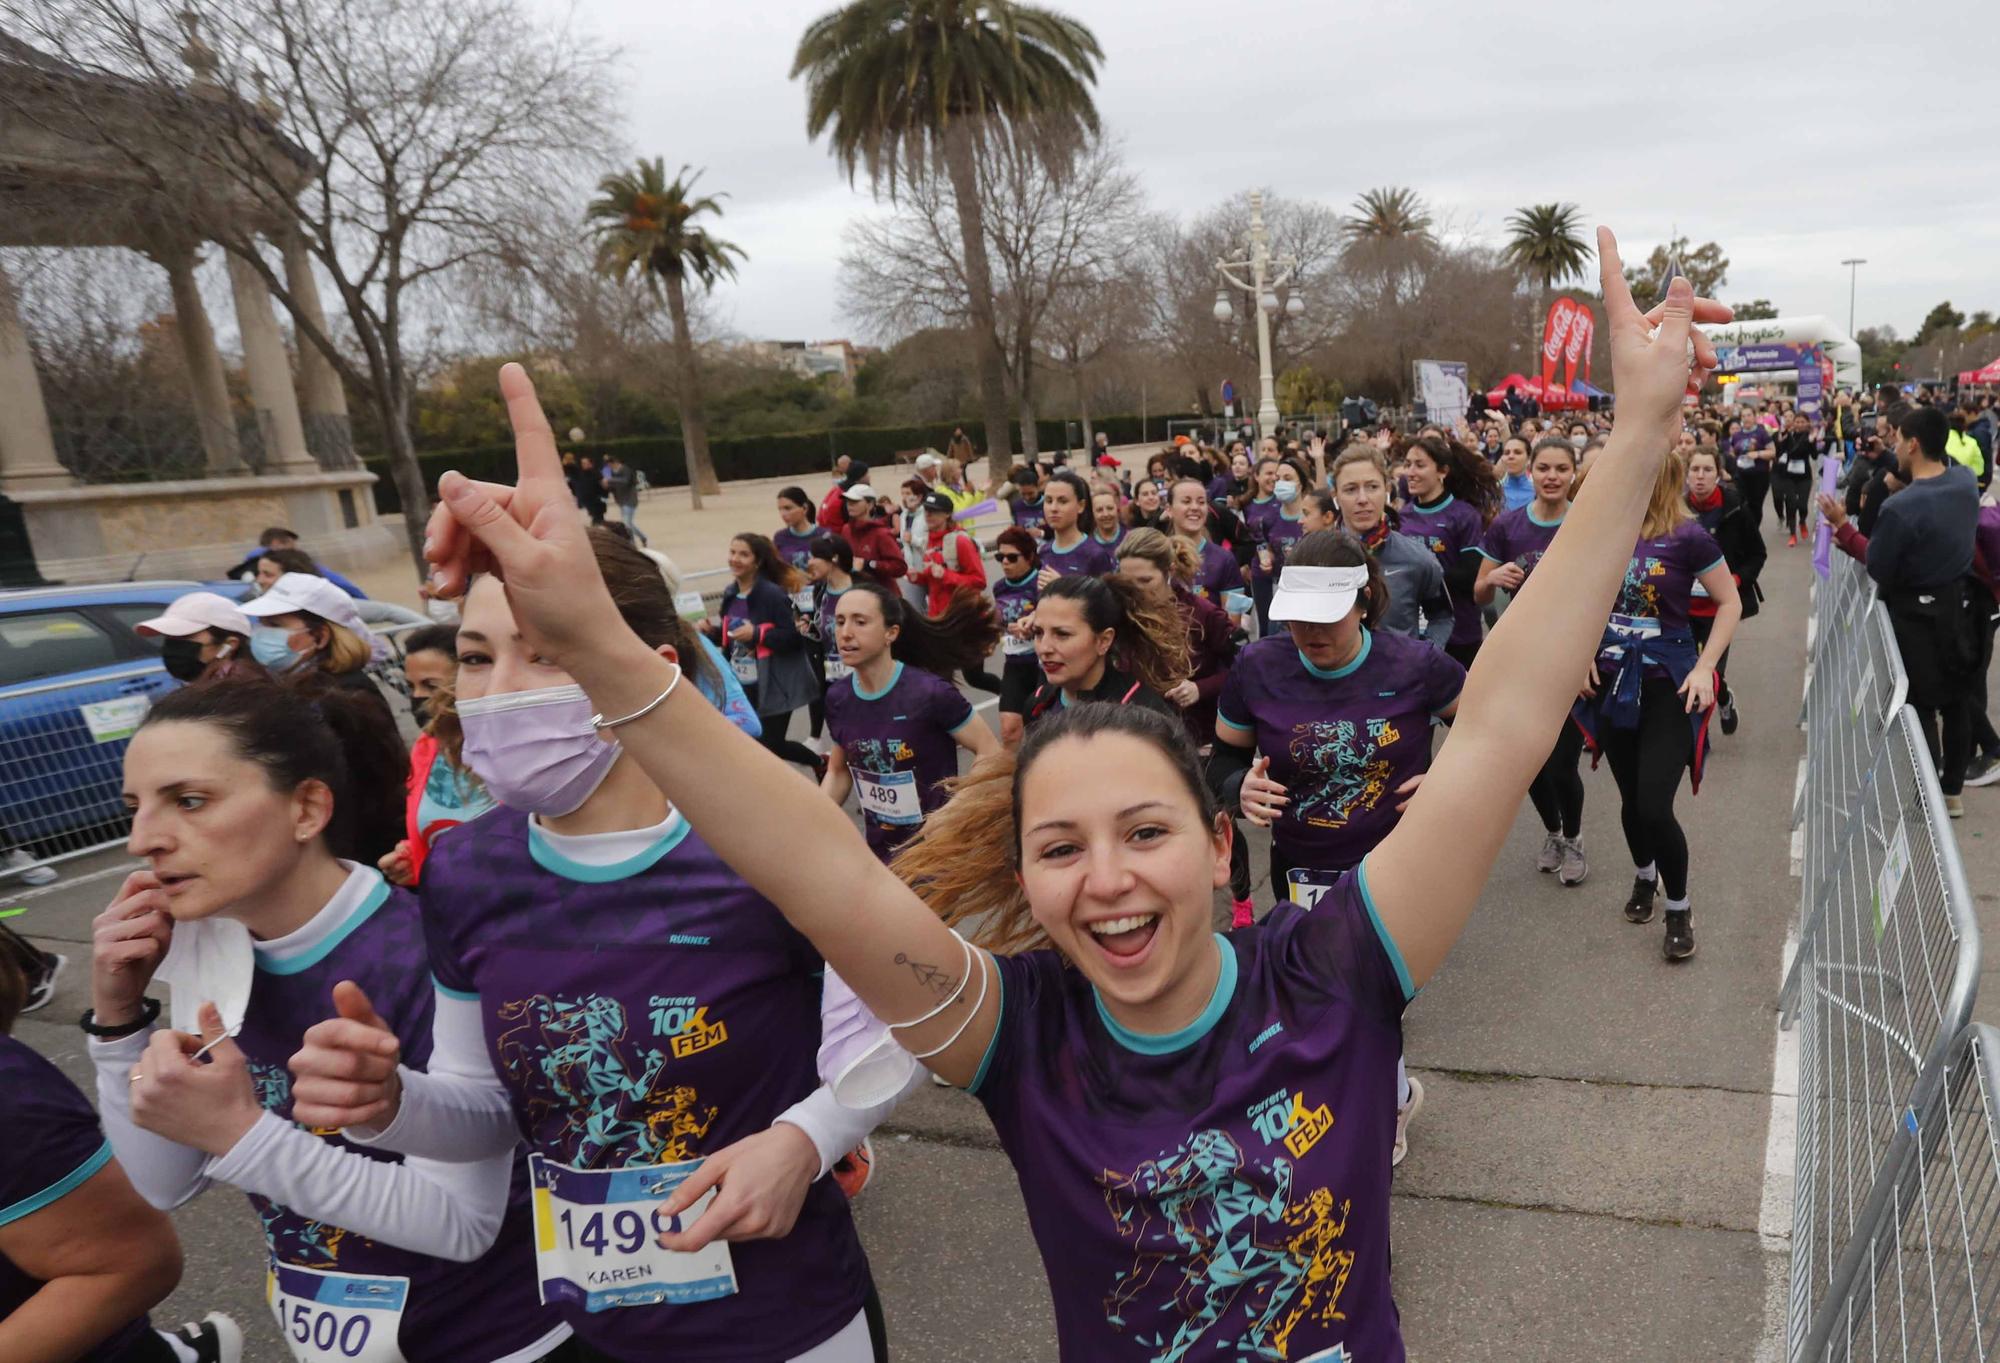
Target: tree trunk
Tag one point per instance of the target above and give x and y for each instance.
(1031, 441)
(1083, 412)
(406, 473)
(979, 288)
(694, 431)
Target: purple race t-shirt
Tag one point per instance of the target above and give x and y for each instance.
(1659, 582)
(54, 1146)
(1110, 546)
(742, 656)
(1279, 534)
(1340, 741)
(1218, 574)
(482, 1309)
(1028, 515)
(1449, 528)
(793, 548)
(1085, 558)
(1258, 514)
(1221, 1192)
(823, 612)
(898, 745)
(1517, 537)
(644, 1013)
(1012, 599)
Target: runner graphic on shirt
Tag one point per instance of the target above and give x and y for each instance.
(1351, 774)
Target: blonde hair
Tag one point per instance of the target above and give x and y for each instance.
(1667, 507)
(961, 862)
(1358, 452)
(1173, 556)
(344, 652)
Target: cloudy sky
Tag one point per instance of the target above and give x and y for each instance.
(1796, 136)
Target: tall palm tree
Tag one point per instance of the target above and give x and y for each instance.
(902, 87)
(1545, 242)
(644, 224)
(1392, 213)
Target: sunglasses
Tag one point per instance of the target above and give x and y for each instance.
(1009, 558)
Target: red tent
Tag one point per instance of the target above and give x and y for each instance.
(1553, 398)
(1990, 374)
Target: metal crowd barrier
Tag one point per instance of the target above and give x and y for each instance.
(1888, 956)
(62, 761)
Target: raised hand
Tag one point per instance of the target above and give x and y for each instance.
(345, 1073)
(127, 943)
(1649, 351)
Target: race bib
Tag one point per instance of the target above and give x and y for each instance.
(337, 1317)
(744, 664)
(891, 796)
(1697, 589)
(1307, 887)
(836, 669)
(1746, 461)
(597, 1238)
(1797, 466)
(1635, 627)
(1012, 647)
(802, 600)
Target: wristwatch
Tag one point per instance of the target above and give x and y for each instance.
(149, 1013)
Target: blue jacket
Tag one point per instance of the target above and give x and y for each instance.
(1621, 673)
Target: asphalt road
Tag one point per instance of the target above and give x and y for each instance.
(1586, 1178)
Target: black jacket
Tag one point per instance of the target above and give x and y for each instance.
(1742, 545)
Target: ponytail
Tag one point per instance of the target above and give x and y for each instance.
(1467, 475)
(1151, 639)
(958, 640)
(1172, 555)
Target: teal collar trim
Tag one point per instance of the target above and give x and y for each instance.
(377, 897)
(1260, 501)
(1024, 579)
(894, 677)
(1111, 543)
(1166, 1043)
(1347, 668)
(1298, 514)
(1436, 506)
(556, 863)
(1533, 519)
(1059, 547)
(58, 1190)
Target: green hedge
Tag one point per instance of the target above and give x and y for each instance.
(798, 454)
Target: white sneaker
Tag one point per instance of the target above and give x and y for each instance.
(1552, 853)
(1403, 1116)
(30, 871)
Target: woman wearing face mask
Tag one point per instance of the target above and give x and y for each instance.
(1514, 544)
(442, 793)
(1217, 573)
(1276, 532)
(896, 719)
(1650, 690)
(198, 631)
(1719, 508)
(251, 803)
(758, 629)
(1416, 583)
(1517, 489)
(609, 991)
(1091, 862)
(1068, 548)
(304, 626)
(1453, 494)
(1101, 638)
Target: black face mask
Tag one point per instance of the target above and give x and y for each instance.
(182, 659)
(421, 710)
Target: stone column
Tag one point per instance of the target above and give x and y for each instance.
(204, 364)
(270, 371)
(328, 434)
(27, 448)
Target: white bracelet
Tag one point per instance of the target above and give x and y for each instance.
(600, 723)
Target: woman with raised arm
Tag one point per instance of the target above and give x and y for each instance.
(1141, 1071)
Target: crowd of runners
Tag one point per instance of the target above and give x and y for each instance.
(560, 1033)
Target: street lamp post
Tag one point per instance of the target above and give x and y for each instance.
(1853, 268)
(1268, 274)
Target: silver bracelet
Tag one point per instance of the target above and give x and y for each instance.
(600, 723)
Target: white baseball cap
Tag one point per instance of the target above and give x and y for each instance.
(860, 492)
(1319, 596)
(295, 592)
(195, 612)
(929, 459)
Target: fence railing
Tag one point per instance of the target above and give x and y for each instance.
(1887, 964)
(62, 760)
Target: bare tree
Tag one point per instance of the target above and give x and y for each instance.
(387, 140)
(1049, 232)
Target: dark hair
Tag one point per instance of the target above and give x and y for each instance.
(1023, 473)
(833, 549)
(273, 533)
(1086, 521)
(770, 566)
(1926, 426)
(1323, 501)
(1151, 639)
(297, 732)
(1553, 442)
(1344, 549)
(796, 496)
(957, 639)
(1017, 538)
(432, 639)
(639, 590)
(293, 561)
(1467, 476)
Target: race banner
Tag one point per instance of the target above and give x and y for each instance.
(1441, 391)
(1581, 329)
(1555, 334)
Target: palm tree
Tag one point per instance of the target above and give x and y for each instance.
(1393, 213)
(901, 87)
(1545, 242)
(643, 223)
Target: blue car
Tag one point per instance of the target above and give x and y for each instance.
(75, 679)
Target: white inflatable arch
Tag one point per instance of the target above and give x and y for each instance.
(1841, 348)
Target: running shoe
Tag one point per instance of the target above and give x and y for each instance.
(1792, 540)
(1639, 908)
(1574, 867)
(853, 1169)
(1680, 934)
(30, 871)
(1983, 770)
(1726, 712)
(1551, 854)
(43, 987)
(1403, 1116)
(1954, 806)
(215, 1338)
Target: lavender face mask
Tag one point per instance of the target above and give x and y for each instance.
(535, 750)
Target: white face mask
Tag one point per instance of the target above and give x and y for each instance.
(209, 961)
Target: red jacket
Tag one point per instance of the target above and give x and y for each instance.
(962, 569)
(876, 550)
(833, 509)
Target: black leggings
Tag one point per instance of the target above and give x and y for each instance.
(1753, 486)
(791, 750)
(1984, 739)
(1791, 493)
(1239, 869)
(1557, 790)
(1464, 653)
(1648, 763)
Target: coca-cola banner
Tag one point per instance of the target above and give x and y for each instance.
(1555, 335)
(1582, 330)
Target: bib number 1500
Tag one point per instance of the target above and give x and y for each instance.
(620, 1232)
